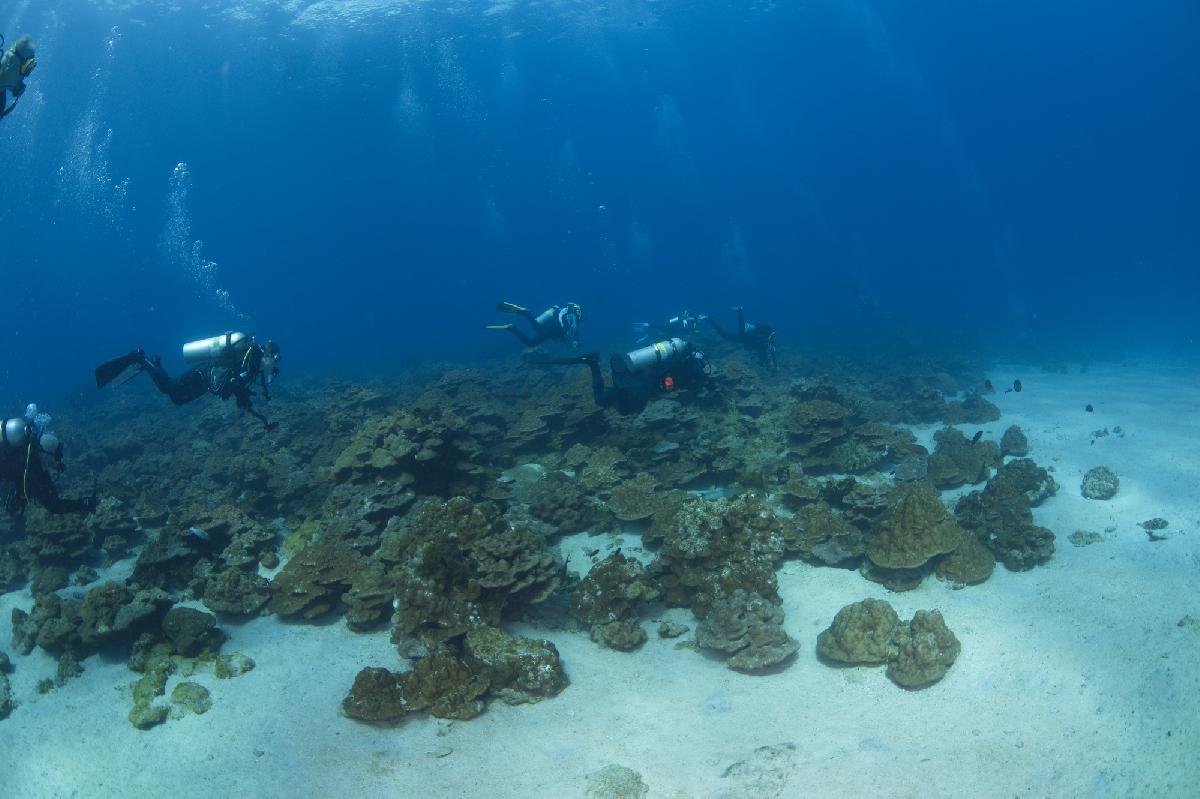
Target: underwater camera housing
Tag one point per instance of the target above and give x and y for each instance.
(656, 354)
(216, 347)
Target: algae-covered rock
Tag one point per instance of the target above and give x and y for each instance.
(6, 699)
(1100, 483)
(860, 633)
(192, 697)
(922, 650)
(144, 715)
(916, 529)
(192, 632)
(750, 629)
(623, 636)
(517, 669)
(612, 590)
(1014, 442)
(226, 667)
(616, 782)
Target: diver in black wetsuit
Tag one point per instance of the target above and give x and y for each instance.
(758, 338)
(228, 365)
(558, 323)
(641, 375)
(24, 442)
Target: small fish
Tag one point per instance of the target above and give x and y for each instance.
(196, 531)
(988, 387)
(1017, 386)
(1089, 408)
(978, 435)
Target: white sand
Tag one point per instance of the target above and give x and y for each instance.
(1074, 678)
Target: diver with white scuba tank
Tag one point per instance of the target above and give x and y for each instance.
(24, 442)
(230, 364)
(557, 323)
(645, 373)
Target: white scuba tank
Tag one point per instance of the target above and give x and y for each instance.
(14, 432)
(652, 355)
(215, 348)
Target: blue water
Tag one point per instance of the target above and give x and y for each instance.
(367, 179)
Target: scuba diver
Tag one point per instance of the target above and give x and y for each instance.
(15, 65)
(226, 365)
(559, 322)
(24, 441)
(641, 375)
(685, 324)
(757, 338)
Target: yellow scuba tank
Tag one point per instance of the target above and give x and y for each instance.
(216, 348)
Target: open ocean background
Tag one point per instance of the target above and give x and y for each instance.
(367, 179)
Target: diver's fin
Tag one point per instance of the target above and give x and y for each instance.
(111, 370)
(511, 307)
(497, 327)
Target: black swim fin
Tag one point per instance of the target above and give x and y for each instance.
(111, 370)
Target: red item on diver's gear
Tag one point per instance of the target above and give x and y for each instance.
(668, 382)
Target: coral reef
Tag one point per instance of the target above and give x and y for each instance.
(1014, 442)
(750, 629)
(921, 651)
(612, 590)
(1001, 515)
(916, 529)
(918, 652)
(427, 504)
(860, 633)
(1100, 483)
(958, 460)
(517, 669)
(512, 669)
(712, 549)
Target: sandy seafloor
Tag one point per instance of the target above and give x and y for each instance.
(1075, 679)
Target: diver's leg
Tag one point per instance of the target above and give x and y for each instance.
(722, 332)
(527, 340)
(741, 315)
(599, 393)
(187, 387)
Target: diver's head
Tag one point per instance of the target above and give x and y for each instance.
(269, 365)
(576, 309)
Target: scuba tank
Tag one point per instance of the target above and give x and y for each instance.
(14, 432)
(660, 352)
(217, 347)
